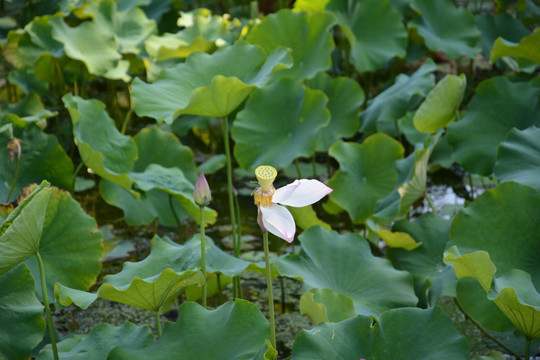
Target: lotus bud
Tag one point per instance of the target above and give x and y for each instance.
(202, 194)
(14, 148)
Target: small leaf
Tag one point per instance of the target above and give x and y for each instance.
(326, 306)
(398, 239)
(526, 49)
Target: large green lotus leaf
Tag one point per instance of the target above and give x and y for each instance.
(331, 261)
(89, 44)
(26, 80)
(202, 29)
(41, 157)
(129, 28)
(144, 209)
(148, 284)
(208, 85)
(174, 182)
(235, 330)
(310, 5)
(526, 49)
(431, 232)
(25, 48)
(100, 341)
(446, 28)
(22, 324)
(394, 102)
(474, 301)
(71, 245)
(366, 175)
(429, 335)
(326, 305)
(517, 297)
(502, 25)
(345, 97)
(501, 222)
(279, 123)
(108, 153)
(499, 105)
(20, 233)
(374, 29)
(441, 104)
(518, 158)
(306, 34)
(161, 147)
(30, 108)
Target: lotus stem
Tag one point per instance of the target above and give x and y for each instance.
(238, 246)
(158, 323)
(12, 187)
(298, 168)
(430, 202)
(203, 259)
(225, 128)
(129, 113)
(269, 289)
(528, 348)
(50, 324)
(171, 205)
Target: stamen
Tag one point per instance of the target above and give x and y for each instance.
(263, 198)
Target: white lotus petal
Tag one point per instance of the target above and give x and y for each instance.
(279, 221)
(301, 193)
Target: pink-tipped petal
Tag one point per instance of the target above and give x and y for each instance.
(279, 221)
(301, 193)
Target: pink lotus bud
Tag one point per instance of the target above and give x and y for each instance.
(201, 193)
(14, 148)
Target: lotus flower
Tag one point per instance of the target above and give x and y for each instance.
(276, 218)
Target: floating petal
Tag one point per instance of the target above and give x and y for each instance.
(301, 193)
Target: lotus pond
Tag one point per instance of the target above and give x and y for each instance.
(309, 179)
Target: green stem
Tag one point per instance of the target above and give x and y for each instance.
(314, 163)
(225, 127)
(484, 331)
(15, 178)
(269, 288)
(75, 173)
(238, 245)
(528, 348)
(158, 323)
(50, 324)
(171, 205)
(430, 202)
(203, 258)
(129, 113)
(298, 168)
(471, 185)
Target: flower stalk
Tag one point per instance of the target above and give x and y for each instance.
(202, 196)
(269, 289)
(50, 324)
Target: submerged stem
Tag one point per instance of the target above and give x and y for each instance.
(16, 177)
(225, 127)
(269, 288)
(50, 324)
(158, 323)
(203, 259)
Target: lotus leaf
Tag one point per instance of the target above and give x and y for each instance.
(89, 44)
(330, 261)
(30, 108)
(173, 182)
(108, 153)
(326, 305)
(310, 5)
(495, 26)
(224, 328)
(100, 341)
(441, 104)
(22, 324)
(305, 217)
(501, 222)
(393, 103)
(41, 157)
(20, 232)
(366, 175)
(71, 245)
(430, 335)
(518, 157)
(499, 105)
(455, 34)
(374, 29)
(148, 284)
(345, 97)
(279, 123)
(526, 49)
(129, 28)
(208, 85)
(431, 232)
(311, 44)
